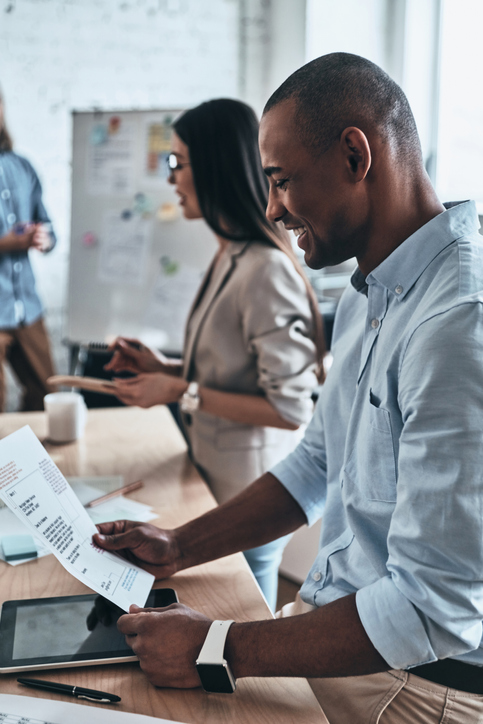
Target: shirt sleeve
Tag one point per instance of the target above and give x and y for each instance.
(39, 212)
(278, 330)
(430, 605)
(304, 472)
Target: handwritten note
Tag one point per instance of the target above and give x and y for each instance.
(110, 160)
(171, 300)
(36, 491)
(124, 249)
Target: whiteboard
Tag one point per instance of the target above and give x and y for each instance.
(135, 263)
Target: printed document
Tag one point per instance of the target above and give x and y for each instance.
(33, 710)
(36, 491)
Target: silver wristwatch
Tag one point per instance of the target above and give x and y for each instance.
(213, 669)
(190, 400)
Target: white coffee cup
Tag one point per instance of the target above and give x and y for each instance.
(66, 416)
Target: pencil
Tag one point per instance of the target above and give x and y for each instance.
(120, 491)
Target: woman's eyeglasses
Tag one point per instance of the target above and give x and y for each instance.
(173, 164)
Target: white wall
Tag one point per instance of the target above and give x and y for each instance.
(350, 26)
(60, 55)
(272, 46)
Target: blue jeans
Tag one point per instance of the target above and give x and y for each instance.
(264, 562)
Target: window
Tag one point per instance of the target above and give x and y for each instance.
(460, 138)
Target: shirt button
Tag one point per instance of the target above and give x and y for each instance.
(11, 218)
(398, 289)
(374, 323)
(5, 194)
(17, 267)
(317, 576)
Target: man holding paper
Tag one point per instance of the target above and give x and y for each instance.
(393, 455)
(36, 491)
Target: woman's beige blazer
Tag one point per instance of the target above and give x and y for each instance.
(249, 331)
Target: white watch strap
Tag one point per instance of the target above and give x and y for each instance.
(212, 650)
(192, 389)
(190, 399)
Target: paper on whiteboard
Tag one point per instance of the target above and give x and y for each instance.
(171, 300)
(34, 710)
(124, 249)
(110, 162)
(36, 491)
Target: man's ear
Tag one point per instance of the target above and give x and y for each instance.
(357, 152)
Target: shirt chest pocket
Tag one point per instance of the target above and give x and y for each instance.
(372, 465)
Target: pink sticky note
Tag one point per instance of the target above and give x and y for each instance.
(89, 238)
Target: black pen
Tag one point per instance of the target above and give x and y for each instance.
(101, 697)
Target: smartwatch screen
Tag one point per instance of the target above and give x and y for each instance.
(216, 678)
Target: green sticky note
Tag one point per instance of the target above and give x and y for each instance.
(16, 547)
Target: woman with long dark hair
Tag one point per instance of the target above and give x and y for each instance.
(253, 343)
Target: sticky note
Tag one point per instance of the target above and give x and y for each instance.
(89, 239)
(16, 547)
(167, 212)
(114, 124)
(98, 135)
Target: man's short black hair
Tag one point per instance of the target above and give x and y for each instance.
(340, 90)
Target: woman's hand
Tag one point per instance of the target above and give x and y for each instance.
(130, 355)
(41, 239)
(149, 547)
(147, 390)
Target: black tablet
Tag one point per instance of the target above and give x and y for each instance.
(48, 633)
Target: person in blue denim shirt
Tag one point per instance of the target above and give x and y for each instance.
(391, 612)
(24, 225)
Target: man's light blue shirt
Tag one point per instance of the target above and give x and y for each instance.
(20, 202)
(393, 456)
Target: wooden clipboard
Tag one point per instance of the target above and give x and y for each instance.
(93, 384)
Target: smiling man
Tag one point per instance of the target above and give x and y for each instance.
(393, 605)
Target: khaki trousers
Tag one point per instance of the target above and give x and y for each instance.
(27, 350)
(392, 697)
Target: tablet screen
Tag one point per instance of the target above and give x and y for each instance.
(64, 629)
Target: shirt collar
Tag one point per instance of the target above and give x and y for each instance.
(401, 269)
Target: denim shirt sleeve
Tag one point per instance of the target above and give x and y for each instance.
(39, 213)
(430, 606)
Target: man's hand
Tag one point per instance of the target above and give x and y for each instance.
(149, 547)
(167, 642)
(130, 355)
(147, 390)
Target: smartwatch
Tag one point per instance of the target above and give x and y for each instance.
(190, 400)
(213, 669)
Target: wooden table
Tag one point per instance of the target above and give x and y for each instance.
(147, 444)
